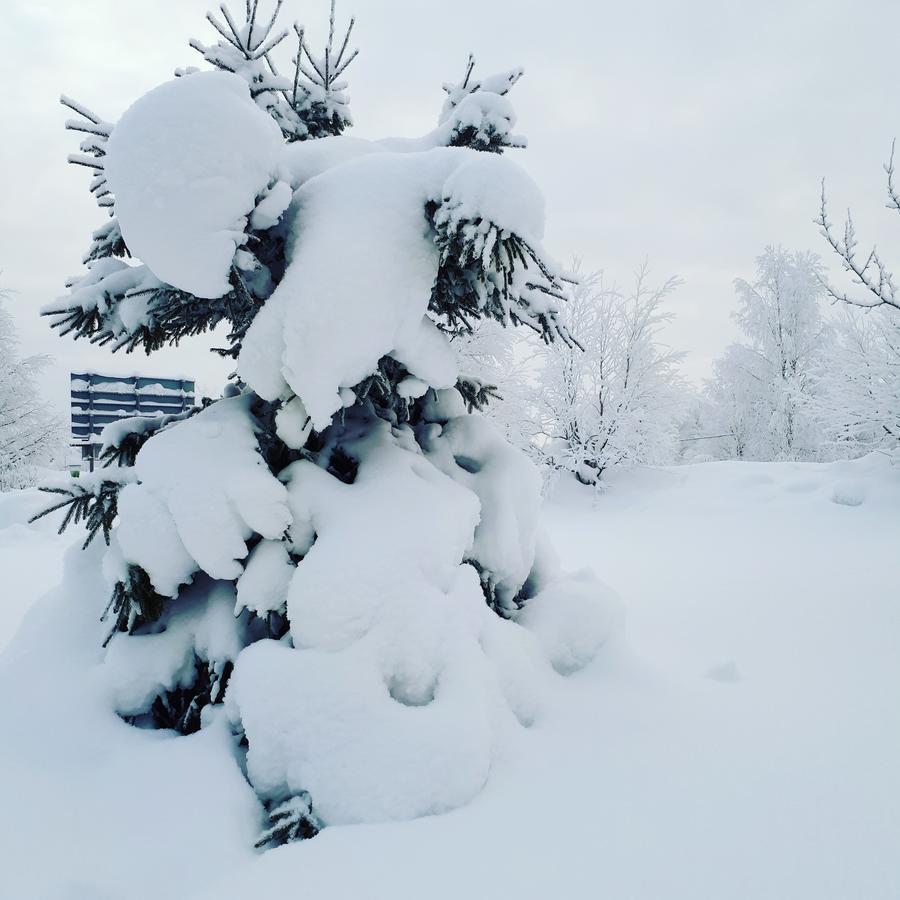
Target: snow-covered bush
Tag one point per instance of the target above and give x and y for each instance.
(618, 400)
(759, 395)
(30, 434)
(336, 555)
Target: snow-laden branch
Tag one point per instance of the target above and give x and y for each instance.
(869, 272)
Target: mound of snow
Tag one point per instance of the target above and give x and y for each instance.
(572, 618)
(848, 492)
(401, 679)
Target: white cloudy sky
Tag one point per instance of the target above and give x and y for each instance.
(692, 132)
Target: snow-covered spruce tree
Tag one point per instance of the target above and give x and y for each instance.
(337, 558)
(620, 399)
(30, 434)
(761, 388)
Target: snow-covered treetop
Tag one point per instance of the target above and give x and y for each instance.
(309, 103)
(478, 112)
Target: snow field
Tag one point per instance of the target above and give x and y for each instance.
(740, 740)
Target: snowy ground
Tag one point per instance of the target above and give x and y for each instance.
(741, 741)
(30, 556)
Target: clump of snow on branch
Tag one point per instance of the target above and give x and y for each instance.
(375, 300)
(311, 101)
(186, 163)
(507, 484)
(140, 668)
(203, 491)
(378, 300)
(263, 585)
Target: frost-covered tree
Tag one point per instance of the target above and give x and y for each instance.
(857, 396)
(696, 442)
(735, 411)
(339, 557)
(861, 393)
(497, 376)
(30, 434)
(619, 399)
(760, 388)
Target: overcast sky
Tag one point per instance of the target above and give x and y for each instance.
(692, 133)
